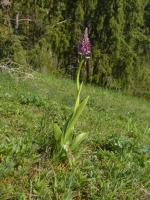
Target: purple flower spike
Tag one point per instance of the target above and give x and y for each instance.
(85, 45)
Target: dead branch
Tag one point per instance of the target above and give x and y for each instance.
(17, 68)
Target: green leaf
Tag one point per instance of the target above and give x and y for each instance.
(69, 138)
(57, 132)
(74, 119)
(67, 123)
(77, 140)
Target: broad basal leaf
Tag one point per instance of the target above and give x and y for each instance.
(57, 132)
(75, 117)
(77, 140)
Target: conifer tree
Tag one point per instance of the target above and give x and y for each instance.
(47, 34)
(119, 43)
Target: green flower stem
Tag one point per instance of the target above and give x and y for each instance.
(78, 74)
(78, 85)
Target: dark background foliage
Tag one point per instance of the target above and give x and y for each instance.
(44, 34)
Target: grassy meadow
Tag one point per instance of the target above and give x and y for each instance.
(113, 163)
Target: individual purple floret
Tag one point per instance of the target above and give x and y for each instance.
(85, 45)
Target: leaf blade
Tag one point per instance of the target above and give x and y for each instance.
(74, 118)
(77, 140)
(57, 132)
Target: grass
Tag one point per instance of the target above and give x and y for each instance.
(113, 163)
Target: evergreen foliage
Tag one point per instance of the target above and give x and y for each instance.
(45, 35)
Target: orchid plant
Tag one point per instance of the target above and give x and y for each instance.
(65, 142)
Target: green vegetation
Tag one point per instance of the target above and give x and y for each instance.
(45, 34)
(65, 138)
(112, 163)
(114, 160)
